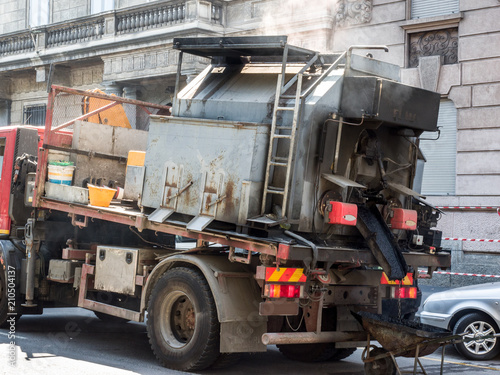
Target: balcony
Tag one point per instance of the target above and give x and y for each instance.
(110, 32)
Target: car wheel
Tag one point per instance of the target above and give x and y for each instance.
(477, 325)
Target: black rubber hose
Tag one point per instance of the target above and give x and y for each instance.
(308, 243)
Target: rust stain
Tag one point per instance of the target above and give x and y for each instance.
(229, 201)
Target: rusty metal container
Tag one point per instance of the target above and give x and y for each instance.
(209, 169)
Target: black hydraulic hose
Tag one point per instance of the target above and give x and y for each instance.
(308, 243)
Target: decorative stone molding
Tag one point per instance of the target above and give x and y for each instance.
(434, 43)
(354, 12)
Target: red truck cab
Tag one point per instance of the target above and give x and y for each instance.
(14, 142)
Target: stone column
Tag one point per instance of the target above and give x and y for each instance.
(111, 87)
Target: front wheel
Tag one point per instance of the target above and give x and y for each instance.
(475, 326)
(182, 324)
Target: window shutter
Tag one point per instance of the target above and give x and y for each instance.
(98, 6)
(440, 169)
(432, 8)
(39, 13)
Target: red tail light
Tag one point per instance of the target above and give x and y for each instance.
(405, 292)
(283, 291)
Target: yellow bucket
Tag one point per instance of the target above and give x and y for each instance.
(100, 195)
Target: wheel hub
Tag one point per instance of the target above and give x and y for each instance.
(478, 341)
(178, 320)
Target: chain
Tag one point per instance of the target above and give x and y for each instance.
(399, 303)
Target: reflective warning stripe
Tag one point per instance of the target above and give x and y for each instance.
(285, 275)
(407, 280)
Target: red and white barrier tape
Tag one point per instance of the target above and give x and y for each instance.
(468, 239)
(468, 207)
(462, 274)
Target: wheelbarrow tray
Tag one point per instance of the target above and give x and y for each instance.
(397, 336)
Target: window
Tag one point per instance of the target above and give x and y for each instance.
(5, 112)
(34, 114)
(39, 13)
(440, 169)
(98, 6)
(433, 8)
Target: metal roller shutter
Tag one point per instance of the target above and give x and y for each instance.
(440, 169)
(432, 8)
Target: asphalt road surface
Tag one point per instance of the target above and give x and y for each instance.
(73, 341)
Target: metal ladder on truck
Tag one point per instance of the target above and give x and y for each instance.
(278, 137)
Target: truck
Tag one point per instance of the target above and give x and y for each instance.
(293, 173)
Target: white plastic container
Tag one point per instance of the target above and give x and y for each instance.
(59, 174)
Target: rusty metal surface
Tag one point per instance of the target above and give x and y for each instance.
(213, 157)
(86, 282)
(401, 338)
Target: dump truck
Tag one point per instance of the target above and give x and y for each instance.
(291, 172)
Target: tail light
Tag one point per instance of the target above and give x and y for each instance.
(403, 292)
(283, 291)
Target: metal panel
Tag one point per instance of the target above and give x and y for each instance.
(116, 269)
(198, 167)
(439, 176)
(389, 101)
(134, 179)
(432, 8)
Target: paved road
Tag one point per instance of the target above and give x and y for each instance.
(72, 341)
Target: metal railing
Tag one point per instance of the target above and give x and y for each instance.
(75, 33)
(114, 23)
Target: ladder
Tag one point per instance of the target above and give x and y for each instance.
(277, 137)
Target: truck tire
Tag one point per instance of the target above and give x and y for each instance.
(308, 352)
(15, 306)
(3, 298)
(341, 353)
(480, 325)
(315, 352)
(182, 324)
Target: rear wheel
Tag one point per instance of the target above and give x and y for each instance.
(475, 326)
(182, 321)
(3, 298)
(313, 352)
(341, 353)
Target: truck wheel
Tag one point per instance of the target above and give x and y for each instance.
(341, 354)
(476, 325)
(3, 299)
(182, 321)
(308, 352)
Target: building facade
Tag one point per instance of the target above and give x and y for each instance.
(125, 47)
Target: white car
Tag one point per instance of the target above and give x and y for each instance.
(473, 310)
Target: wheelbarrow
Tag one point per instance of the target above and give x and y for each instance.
(400, 339)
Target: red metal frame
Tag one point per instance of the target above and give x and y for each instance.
(86, 283)
(9, 134)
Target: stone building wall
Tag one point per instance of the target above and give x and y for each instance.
(13, 16)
